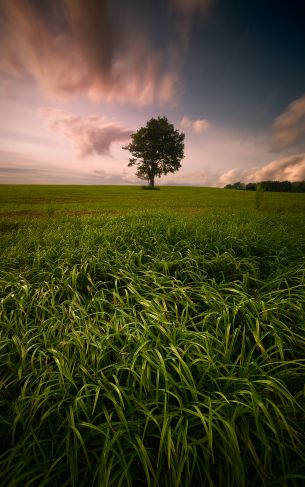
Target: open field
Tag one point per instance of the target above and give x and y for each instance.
(59, 200)
(151, 338)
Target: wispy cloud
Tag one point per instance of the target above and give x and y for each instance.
(190, 6)
(290, 168)
(114, 178)
(72, 47)
(91, 135)
(17, 170)
(185, 9)
(197, 126)
(289, 127)
(188, 178)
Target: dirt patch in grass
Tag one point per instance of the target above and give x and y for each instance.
(22, 214)
(46, 213)
(89, 212)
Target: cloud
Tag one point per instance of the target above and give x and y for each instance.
(290, 168)
(6, 89)
(200, 125)
(289, 127)
(18, 168)
(91, 135)
(73, 47)
(231, 176)
(197, 125)
(59, 175)
(186, 122)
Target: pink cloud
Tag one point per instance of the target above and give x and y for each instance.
(168, 87)
(91, 135)
(231, 176)
(289, 127)
(290, 168)
(198, 126)
(73, 47)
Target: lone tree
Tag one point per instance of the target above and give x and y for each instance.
(157, 149)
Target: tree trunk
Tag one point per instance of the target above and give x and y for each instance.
(151, 181)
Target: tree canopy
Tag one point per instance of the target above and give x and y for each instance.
(156, 149)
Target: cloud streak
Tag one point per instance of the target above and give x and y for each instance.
(73, 47)
(289, 127)
(17, 170)
(90, 136)
(190, 6)
(185, 10)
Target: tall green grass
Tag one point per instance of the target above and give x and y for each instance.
(153, 349)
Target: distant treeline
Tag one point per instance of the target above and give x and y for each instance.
(281, 186)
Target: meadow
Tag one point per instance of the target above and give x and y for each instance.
(151, 338)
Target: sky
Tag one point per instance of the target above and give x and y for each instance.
(77, 77)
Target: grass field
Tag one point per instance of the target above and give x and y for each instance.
(151, 338)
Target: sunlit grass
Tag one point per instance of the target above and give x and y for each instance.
(153, 349)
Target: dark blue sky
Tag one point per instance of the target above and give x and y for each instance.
(246, 60)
